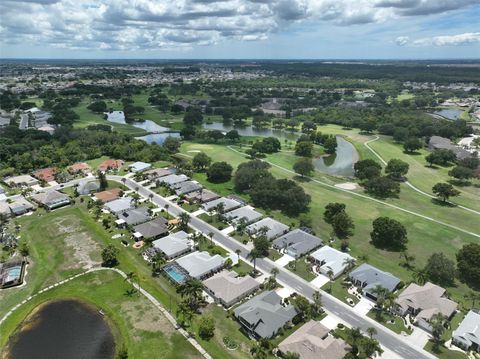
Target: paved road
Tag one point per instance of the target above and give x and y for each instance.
(386, 337)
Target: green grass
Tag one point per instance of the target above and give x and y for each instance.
(213, 220)
(338, 289)
(302, 269)
(204, 244)
(384, 318)
(444, 353)
(242, 268)
(135, 322)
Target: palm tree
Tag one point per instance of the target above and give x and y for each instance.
(258, 351)
(136, 198)
(191, 290)
(355, 335)
(184, 219)
(473, 297)
(317, 304)
(438, 328)
(371, 332)
(238, 251)
(132, 278)
(150, 196)
(407, 259)
(349, 263)
(185, 312)
(166, 208)
(291, 355)
(254, 254)
(420, 276)
(274, 272)
(220, 209)
(330, 277)
(380, 293)
(210, 235)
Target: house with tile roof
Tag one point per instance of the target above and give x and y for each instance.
(228, 288)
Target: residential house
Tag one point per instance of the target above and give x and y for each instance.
(151, 230)
(119, 205)
(79, 167)
(437, 143)
(423, 302)
(173, 245)
(88, 186)
(368, 278)
(186, 187)
(297, 243)
(228, 204)
(110, 165)
(20, 206)
(313, 341)
(200, 264)
(202, 196)
(132, 217)
(467, 335)
(172, 180)
(264, 315)
(157, 173)
(108, 195)
(330, 260)
(228, 288)
(51, 199)
(246, 212)
(45, 174)
(139, 166)
(21, 181)
(5, 209)
(274, 228)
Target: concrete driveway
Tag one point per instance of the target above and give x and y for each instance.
(363, 306)
(320, 281)
(284, 260)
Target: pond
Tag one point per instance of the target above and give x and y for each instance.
(451, 113)
(341, 163)
(158, 137)
(63, 329)
(147, 125)
(252, 131)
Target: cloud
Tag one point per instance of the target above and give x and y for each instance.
(402, 40)
(126, 25)
(468, 38)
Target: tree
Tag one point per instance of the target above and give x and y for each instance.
(219, 172)
(191, 291)
(343, 225)
(444, 191)
(461, 173)
(304, 148)
(122, 353)
(109, 256)
(330, 145)
(371, 331)
(206, 327)
(412, 144)
(331, 210)
(184, 219)
(440, 269)
(193, 117)
(437, 323)
(232, 135)
(441, 157)
(420, 275)
(171, 144)
(302, 305)
(317, 309)
(367, 169)
(185, 313)
(23, 249)
(201, 161)
(291, 355)
(102, 180)
(382, 187)
(388, 234)
(396, 169)
(261, 244)
(98, 106)
(468, 265)
(303, 167)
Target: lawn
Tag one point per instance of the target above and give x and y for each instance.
(213, 220)
(204, 244)
(302, 268)
(398, 325)
(135, 321)
(339, 289)
(242, 268)
(444, 353)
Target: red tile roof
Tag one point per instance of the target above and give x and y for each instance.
(110, 164)
(45, 174)
(108, 195)
(80, 167)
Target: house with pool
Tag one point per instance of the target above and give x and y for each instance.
(11, 273)
(198, 265)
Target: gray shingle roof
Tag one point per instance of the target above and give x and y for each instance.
(275, 228)
(246, 212)
(170, 180)
(119, 205)
(135, 215)
(297, 242)
(370, 277)
(200, 264)
(265, 314)
(186, 187)
(228, 203)
(153, 228)
(229, 288)
(51, 199)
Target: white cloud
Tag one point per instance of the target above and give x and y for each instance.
(154, 24)
(468, 38)
(402, 40)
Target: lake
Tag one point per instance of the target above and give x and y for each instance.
(158, 137)
(341, 163)
(252, 131)
(451, 113)
(63, 329)
(147, 125)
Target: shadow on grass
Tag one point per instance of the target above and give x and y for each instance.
(439, 202)
(302, 179)
(460, 183)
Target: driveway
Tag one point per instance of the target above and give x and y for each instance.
(284, 260)
(363, 306)
(419, 337)
(320, 281)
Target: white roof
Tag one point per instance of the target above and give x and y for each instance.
(172, 244)
(332, 259)
(469, 330)
(228, 203)
(139, 166)
(199, 264)
(275, 228)
(119, 205)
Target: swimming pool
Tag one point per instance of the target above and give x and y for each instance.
(14, 273)
(175, 273)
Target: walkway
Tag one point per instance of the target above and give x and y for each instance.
(150, 297)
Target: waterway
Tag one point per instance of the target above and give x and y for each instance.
(450, 114)
(341, 163)
(63, 329)
(147, 125)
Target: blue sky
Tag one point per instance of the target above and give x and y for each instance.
(236, 29)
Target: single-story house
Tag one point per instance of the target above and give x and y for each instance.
(172, 180)
(139, 166)
(157, 173)
(87, 187)
(368, 277)
(119, 205)
(45, 174)
(12, 273)
(108, 195)
(173, 245)
(423, 302)
(151, 229)
(228, 204)
(313, 341)
(228, 288)
(20, 206)
(201, 264)
(246, 212)
(275, 228)
(5, 209)
(51, 199)
(297, 243)
(21, 181)
(202, 196)
(437, 143)
(186, 187)
(467, 335)
(109, 165)
(329, 259)
(132, 216)
(79, 167)
(264, 315)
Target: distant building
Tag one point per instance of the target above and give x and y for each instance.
(202, 196)
(79, 167)
(88, 186)
(45, 174)
(228, 204)
(201, 264)
(172, 180)
(150, 230)
(11, 273)
(21, 181)
(119, 205)
(157, 173)
(20, 206)
(139, 166)
(51, 199)
(132, 217)
(110, 165)
(173, 245)
(246, 212)
(186, 187)
(437, 143)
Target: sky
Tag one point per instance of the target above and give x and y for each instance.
(240, 29)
